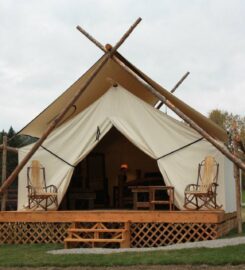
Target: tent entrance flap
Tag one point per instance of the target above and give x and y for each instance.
(100, 180)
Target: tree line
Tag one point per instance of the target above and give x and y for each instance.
(16, 141)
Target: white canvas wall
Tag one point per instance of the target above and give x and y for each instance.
(150, 130)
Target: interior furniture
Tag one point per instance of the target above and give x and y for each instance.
(151, 201)
(122, 194)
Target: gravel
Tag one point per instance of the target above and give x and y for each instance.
(207, 244)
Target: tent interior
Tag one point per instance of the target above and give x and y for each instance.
(98, 182)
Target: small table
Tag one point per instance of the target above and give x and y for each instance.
(152, 200)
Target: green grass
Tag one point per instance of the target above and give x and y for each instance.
(243, 196)
(36, 256)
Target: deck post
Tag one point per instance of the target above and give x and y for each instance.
(237, 178)
(126, 236)
(238, 198)
(4, 173)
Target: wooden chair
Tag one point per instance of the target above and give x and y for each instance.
(204, 193)
(39, 194)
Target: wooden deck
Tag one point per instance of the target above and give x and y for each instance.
(115, 216)
(147, 228)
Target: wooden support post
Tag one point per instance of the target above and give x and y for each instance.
(126, 236)
(4, 173)
(238, 198)
(237, 178)
(175, 87)
(155, 89)
(57, 120)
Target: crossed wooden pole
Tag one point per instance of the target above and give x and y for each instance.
(154, 88)
(57, 120)
(175, 87)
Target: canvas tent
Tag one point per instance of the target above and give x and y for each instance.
(130, 109)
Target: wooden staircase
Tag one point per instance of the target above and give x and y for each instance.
(98, 234)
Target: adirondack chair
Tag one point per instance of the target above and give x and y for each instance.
(203, 194)
(39, 194)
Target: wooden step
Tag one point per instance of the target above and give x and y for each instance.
(122, 235)
(95, 230)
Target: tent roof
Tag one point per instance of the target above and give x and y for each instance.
(119, 73)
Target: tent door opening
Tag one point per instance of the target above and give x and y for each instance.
(101, 182)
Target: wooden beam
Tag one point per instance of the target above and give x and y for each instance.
(57, 120)
(114, 216)
(180, 82)
(4, 172)
(238, 197)
(175, 87)
(155, 89)
(8, 148)
(91, 38)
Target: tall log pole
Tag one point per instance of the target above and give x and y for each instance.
(4, 172)
(155, 89)
(222, 148)
(237, 178)
(238, 198)
(175, 87)
(56, 121)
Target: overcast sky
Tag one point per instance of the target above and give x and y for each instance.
(42, 54)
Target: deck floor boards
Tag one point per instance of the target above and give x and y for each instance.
(114, 215)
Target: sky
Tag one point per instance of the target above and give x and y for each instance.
(42, 53)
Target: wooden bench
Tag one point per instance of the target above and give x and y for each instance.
(97, 234)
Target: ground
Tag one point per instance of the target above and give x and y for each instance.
(141, 267)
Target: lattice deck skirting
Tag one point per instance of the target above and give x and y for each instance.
(162, 234)
(148, 234)
(30, 233)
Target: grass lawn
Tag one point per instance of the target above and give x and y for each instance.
(36, 256)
